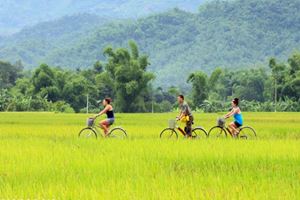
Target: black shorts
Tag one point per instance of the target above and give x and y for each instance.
(237, 124)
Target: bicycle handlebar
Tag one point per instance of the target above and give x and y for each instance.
(95, 117)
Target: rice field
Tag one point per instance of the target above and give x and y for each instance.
(41, 157)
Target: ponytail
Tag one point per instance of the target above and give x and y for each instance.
(236, 101)
(108, 100)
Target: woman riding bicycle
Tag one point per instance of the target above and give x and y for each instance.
(109, 111)
(237, 115)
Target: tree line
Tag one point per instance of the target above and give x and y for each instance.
(224, 33)
(124, 77)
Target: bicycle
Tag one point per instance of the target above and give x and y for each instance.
(93, 130)
(171, 133)
(222, 130)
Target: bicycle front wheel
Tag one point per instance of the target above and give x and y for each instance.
(247, 133)
(199, 133)
(118, 133)
(87, 133)
(217, 132)
(168, 133)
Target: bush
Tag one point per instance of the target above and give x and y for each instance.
(62, 106)
(164, 106)
(91, 110)
(213, 106)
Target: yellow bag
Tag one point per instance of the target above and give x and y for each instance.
(185, 119)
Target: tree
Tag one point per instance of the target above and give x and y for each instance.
(75, 92)
(128, 72)
(294, 62)
(214, 78)
(250, 84)
(200, 87)
(43, 77)
(105, 85)
(9, 73)
(278, 75)
(98, 67)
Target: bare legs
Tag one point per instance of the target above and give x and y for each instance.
(233, 129)
(104, 125)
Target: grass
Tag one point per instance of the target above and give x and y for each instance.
(42, 158)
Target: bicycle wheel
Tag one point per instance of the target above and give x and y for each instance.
(87, 133)
(118, 133)
(168, 133)
(199, 133)
(247, 133)
(217, 132)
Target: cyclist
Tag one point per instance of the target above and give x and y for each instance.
(237, 115)
(185, 115)
(109, 111)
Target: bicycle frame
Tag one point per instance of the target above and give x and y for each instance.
(226, 128)
(93, 128)
(180, 129)
(96, 127)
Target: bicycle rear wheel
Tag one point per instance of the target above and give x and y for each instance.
(87, 133)
(168, 133)
(217, 132)
(247, 133)
(199, 133)
(118, 133)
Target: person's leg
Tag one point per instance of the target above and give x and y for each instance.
(233, 128)
(189, 126)
(104, 125)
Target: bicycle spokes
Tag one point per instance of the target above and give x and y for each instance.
(217, 132)
(117, 133)
(87, 133)
(168, 133)
(247, 133)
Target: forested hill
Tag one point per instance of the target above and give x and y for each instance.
(230, 34)
(15, 14)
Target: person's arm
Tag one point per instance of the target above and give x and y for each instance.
(230, 113)
(182, 114)
(103, 111)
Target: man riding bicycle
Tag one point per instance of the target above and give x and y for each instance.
(185, 115)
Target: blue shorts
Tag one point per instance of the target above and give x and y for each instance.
(110, 121)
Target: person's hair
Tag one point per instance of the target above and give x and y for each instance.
(181, 96)
(236, 101)
(108, 100)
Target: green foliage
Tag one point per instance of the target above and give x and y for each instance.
(124, 77)
(61, 106)
(232, 34)
(254, 86)
(16, 14)
(294, 62)
(130, 80)
(9, 74)
(5, 99)
(286, 105)
(200, 87)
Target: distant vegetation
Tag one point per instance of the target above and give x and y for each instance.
(234, 35)
(15, 14)
(124, 76)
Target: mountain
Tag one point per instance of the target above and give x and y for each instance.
(233, 34)
(16, 14)
(35, 43)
